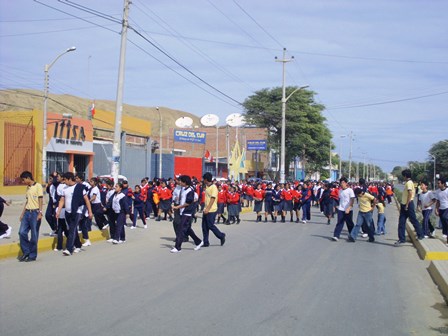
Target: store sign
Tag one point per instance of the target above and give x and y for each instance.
(257, 145)
(189, 136)
(69, 134)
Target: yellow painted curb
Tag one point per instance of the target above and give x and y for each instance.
(46, 244)
(431, 255)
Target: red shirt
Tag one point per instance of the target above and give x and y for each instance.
(296, 195)
(250, 190)
(144, 193)
(222, 196)
(334, 194)
(165, 194)
(286, 195)
(233, 198)
(258, 194)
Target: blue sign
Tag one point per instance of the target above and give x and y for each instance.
(189, 136)
(257, 145)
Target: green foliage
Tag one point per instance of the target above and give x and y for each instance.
(440, 151)
(307, 136)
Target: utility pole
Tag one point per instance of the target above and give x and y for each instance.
(116, 150)
(350, 158)
(284, 60)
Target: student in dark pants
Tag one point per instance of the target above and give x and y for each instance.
(345, 209)
(139, 204)
(73, 199)
(210, 210)
(121, 209)
(185, 207)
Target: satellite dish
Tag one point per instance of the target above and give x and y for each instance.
(184, 122)
(209, 120)
(235, 120)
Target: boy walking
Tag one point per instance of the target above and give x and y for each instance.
(30, 217)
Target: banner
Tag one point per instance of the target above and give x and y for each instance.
(257, 145)
(189, 136)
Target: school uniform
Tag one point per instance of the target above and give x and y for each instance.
(139, 205)
(74, 201)
(120, 208)
(184, 229)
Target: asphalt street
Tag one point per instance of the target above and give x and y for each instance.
(268, 279)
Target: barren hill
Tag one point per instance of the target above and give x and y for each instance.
(20, 100)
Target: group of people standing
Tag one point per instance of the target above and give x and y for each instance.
(73, 203)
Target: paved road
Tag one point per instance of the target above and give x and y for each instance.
(268, 279)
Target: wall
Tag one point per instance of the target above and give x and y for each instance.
(188, 166)
(32, 118)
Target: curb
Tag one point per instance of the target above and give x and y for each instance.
(46, 244)
(438, 270)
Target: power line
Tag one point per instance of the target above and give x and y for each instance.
(259, 25)
(75, 16)
(388, 101)
(191, 46)
(178, 73)
(47, 32)
(108, 17)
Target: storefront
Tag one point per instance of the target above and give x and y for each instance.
(69, 145)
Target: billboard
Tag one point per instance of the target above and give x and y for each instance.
(189, 136)
(257, 145)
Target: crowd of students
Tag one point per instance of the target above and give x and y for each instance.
(73, 203)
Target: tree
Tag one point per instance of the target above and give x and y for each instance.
(307, 136)
(440, 151)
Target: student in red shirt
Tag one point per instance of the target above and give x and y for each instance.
(296, 199)
(287, 202)
(222, 201)
(233, 206)
(258, 197)
(165, 196)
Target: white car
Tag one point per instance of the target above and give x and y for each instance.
(103, 178)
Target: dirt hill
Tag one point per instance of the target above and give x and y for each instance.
(20, 100)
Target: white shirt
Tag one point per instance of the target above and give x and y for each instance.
(345, 195)
(60, 192)
(95, 191)
(116, 202)
(425, 198)
(442, 197)
(68, 195)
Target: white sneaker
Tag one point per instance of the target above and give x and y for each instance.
(133, 227)
(114, 241)
(66, 253)
(56, 250)
(105, 227)
(110, 240)
(145, 226)
(7, 233)
(444, 236)
(77, 250)
(121, 241)
(53, 234)
(198, 247)
(304, 221)
(364, 235)
(335, 239)
(175, 250)
(87, 243)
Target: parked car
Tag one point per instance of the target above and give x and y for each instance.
(102, 179)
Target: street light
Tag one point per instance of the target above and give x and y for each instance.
(44, 138)
(434, 181)
(160, 142)
(340, 155)
(284, 100)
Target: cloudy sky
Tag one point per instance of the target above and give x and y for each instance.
(380, 67)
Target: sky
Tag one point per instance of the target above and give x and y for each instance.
(379, 67)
